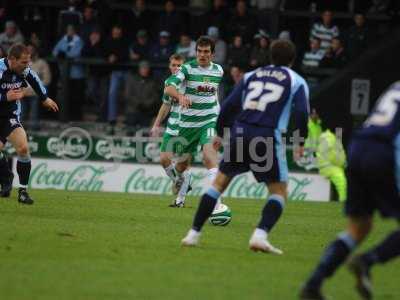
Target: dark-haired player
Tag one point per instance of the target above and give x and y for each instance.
(200, 79)
(257, 112)
(15, 74)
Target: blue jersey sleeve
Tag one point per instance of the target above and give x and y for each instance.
(301, 109)
(230, 108)
(34, 81)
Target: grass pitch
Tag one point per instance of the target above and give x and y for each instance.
(72, 245)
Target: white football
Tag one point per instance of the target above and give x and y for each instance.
(221, 215)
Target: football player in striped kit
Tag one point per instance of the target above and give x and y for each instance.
(200, 79)
(169, 142)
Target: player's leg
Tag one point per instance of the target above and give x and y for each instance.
(185, 145)
(210, 155)
(360, 265)
(167, 164)
(229, 168)
(385, 251)
(270, 215)
(210, 161)
(181, 176)
(206, 207)
(6, 175)
(166, 156)
(117, 78)
(169, 168)
(359, 207)
(336, 254)
(19, 141)
(269, 165)
(183, 181)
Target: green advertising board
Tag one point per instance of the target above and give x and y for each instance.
(77, 144)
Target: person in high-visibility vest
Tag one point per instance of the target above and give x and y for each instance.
(331, 162)
(330, 158)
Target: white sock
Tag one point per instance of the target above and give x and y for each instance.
(171, 172)
(260, 233)
(183, 191)
(212, 174)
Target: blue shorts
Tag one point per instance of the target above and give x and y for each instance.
(255, 149)
(372, 181)
(7, 125)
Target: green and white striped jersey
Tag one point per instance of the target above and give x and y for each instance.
(173, 119)
(201, 86)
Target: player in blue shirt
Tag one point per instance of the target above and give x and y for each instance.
(15, 75)
(373, 185)
(255, 114)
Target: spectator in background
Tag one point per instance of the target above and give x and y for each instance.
(313, 58)
(70, 46)
(139, 50)
(41, 48)
(199, 4)
(325, 31)
(3, 16)
(236, 74)
(97, 83)
(69, 16)
(103, 13)
(285, 35)
(379, 6)
(33, 19)
(243, 23)
(31, 103)
(335, 57)
(116, 52)
(137, 18)
(260, 53)
(10, 36)
(265, 12)
(162, 50)
(186, 47)
(358, 37)
(220, 45)
(89, 23)
(263, 4)
(218, 16)
(196, 17)
(142, 94)
(238, 54)
(170, 20)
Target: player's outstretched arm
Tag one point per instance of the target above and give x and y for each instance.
(50, 104)
(301, 112)
(183, 100)
(230, 108)
(34, 81)
(162, 114)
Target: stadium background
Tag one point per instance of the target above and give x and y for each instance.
(96, 80)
